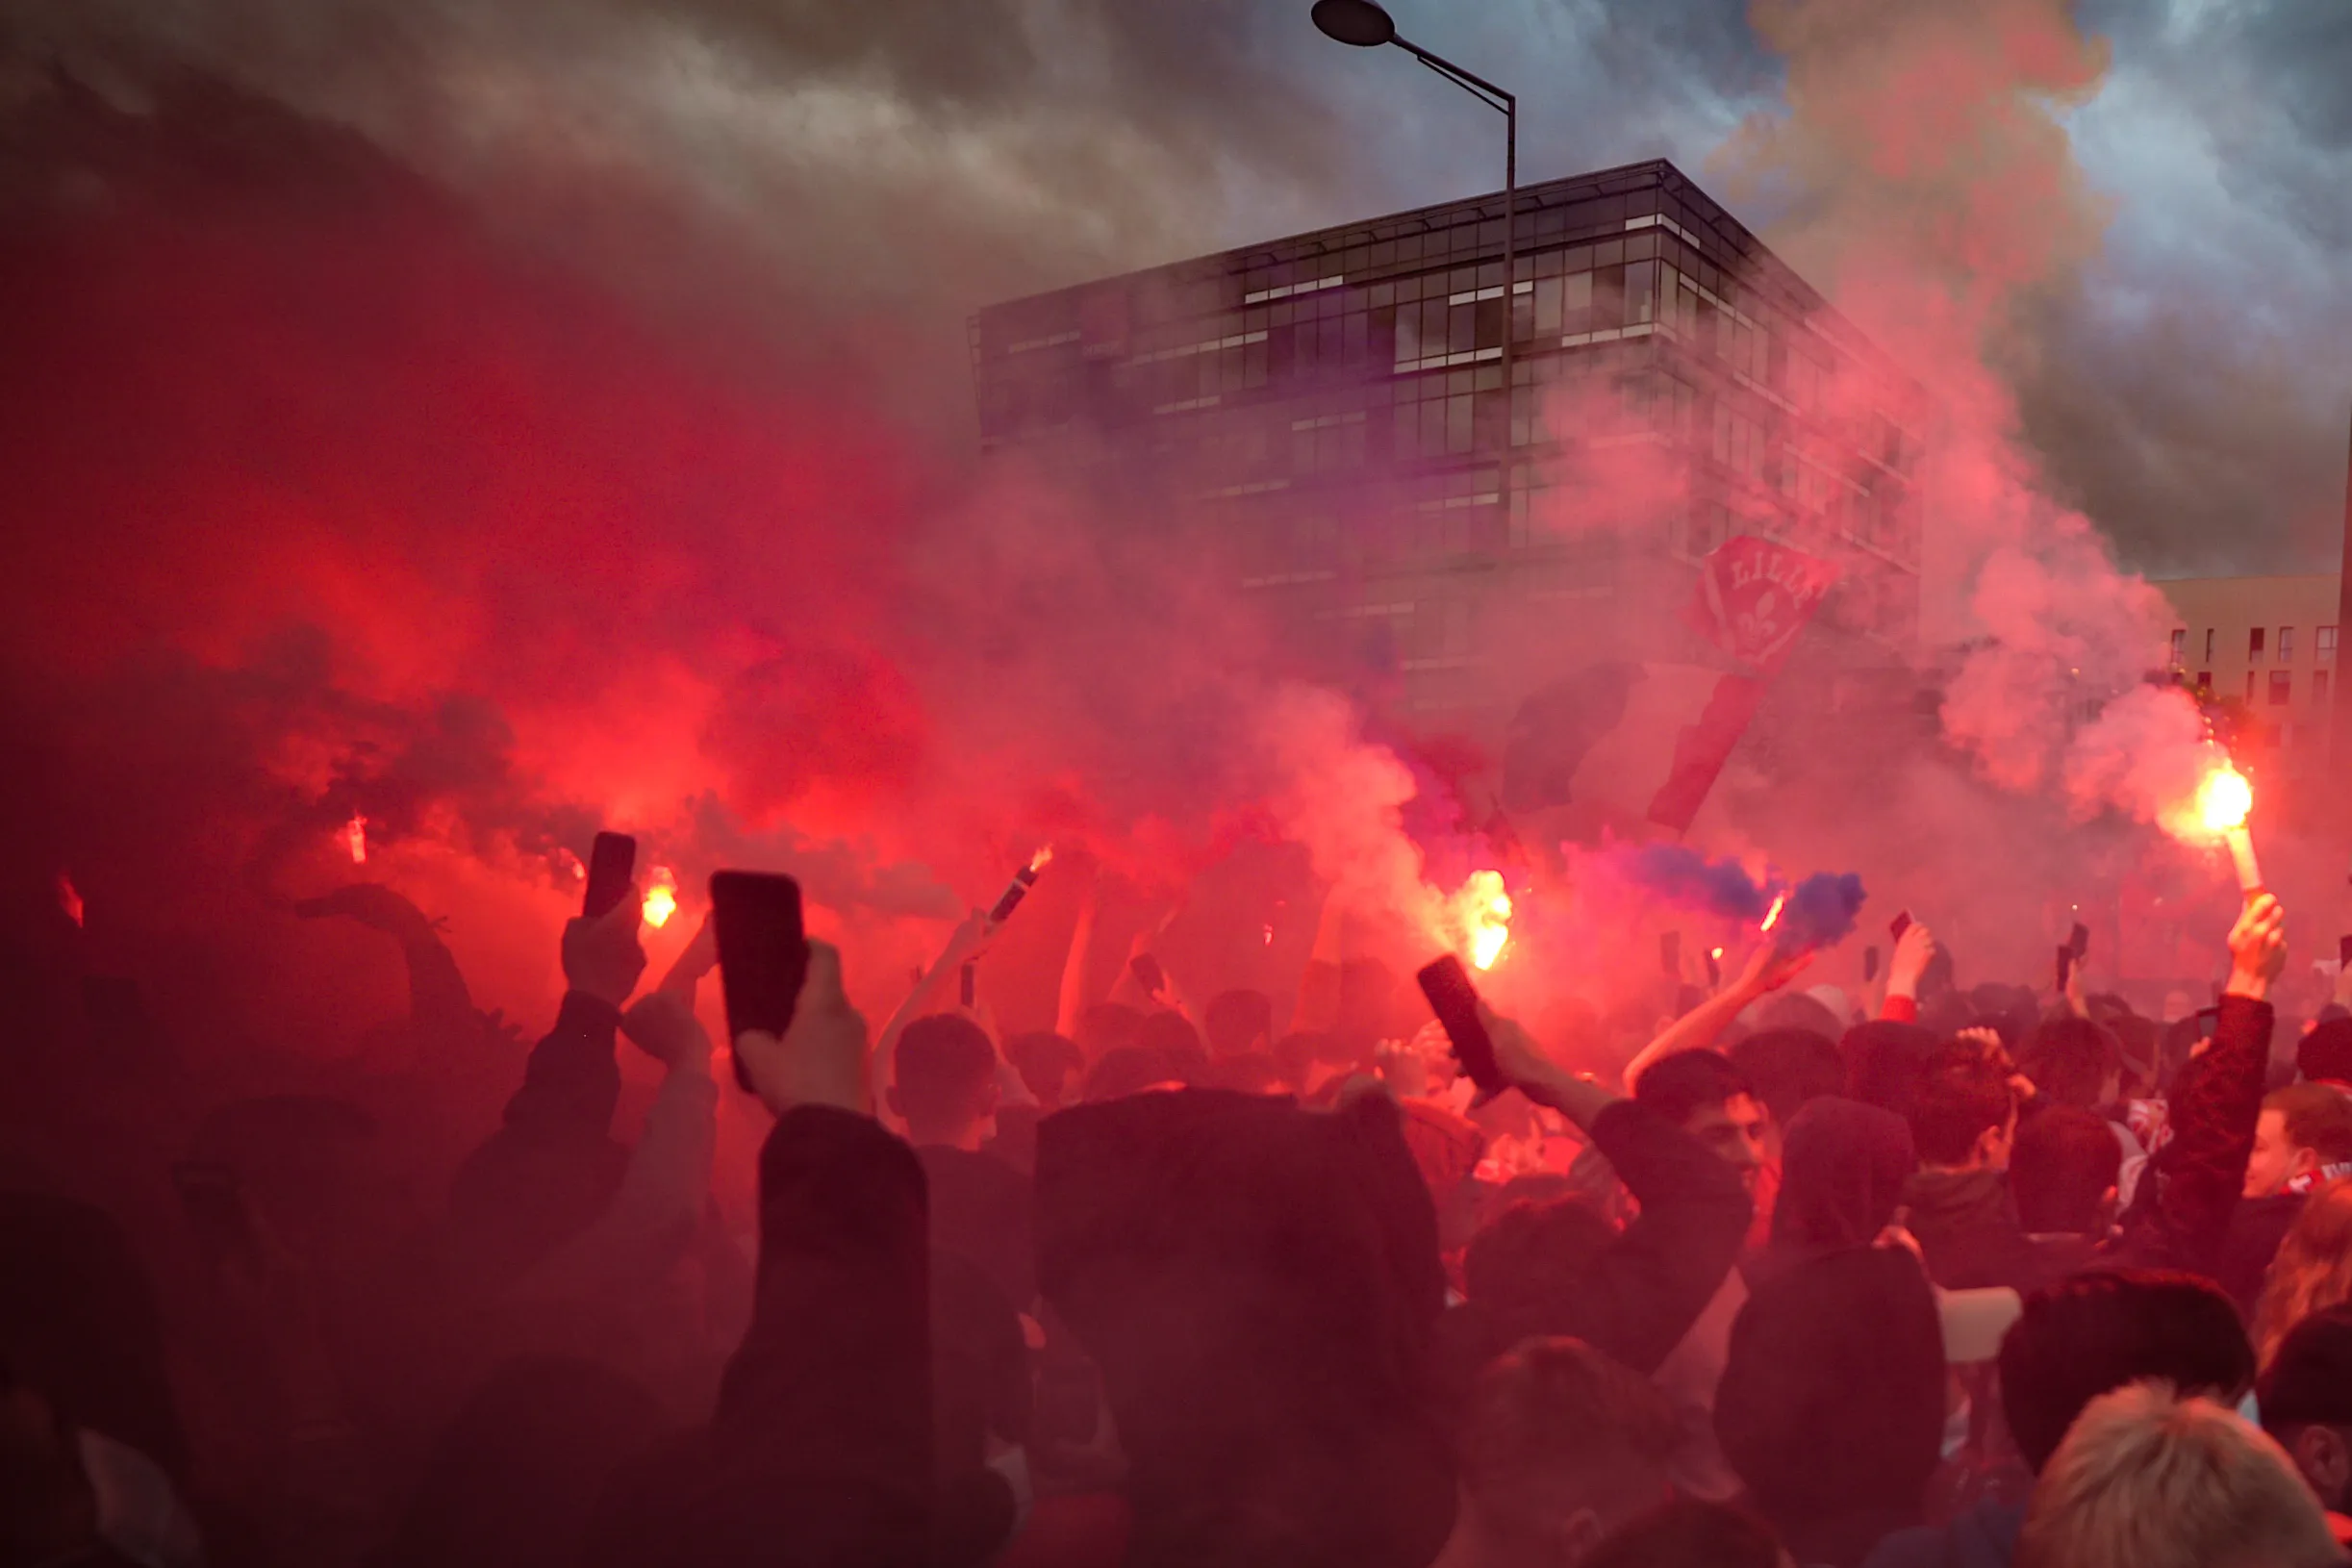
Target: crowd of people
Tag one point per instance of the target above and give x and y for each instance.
(1990, 1277)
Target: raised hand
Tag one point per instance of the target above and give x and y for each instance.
(373, 905)
(2257, 948)
(603, 957)
(820, 1058)
(663, 1025)
(1915, 951)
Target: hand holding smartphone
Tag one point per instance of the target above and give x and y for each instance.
(762, 954)
(1456, 1003)
(612, 861)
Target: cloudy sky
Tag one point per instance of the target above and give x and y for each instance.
(900, 162)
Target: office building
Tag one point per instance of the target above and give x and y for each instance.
(1440, 517)
(2265, 648)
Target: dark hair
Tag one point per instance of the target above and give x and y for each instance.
(2318, 1117)
(1687, 1534)
(1687, 1082)
(1106, 1026)
(1129, 1069)
(1832, 1403)
(2070, 1059)
(1529, 1253)
(1789, 1067)
(1251, 1073)
(2065, 1162)
(2092, 1334)
(1173, 1036)
(1553, 1422)
(1234, 1021)
(1047, 1063)
(945, 1066)
(1886, 1062)
(1961, 1096)
(2309, 1381)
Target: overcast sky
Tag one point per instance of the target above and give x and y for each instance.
(914, 159)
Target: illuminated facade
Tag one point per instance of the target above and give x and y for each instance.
(1331, 413)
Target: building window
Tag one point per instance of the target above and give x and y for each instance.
(2282, 687)
(2323, 645)
(2180, 646)
(2319, 687)
(2254, 646)
(2209, 645)
(2287, 645)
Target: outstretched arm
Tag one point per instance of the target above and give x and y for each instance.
(1769, 969)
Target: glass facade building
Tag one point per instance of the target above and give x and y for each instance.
(1332, 419)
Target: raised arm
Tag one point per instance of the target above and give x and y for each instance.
(1769, 969)
(573, 1081)
(2216, 1106)
(1069, 1005)
(932, 993)
(1647, 1288)
(1915, 951)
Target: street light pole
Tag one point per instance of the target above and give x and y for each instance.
(1365, 25)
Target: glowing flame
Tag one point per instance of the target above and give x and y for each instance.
(1772, 916)
(1269, 936)
(1044, 857)
(68, 898)
(661, 897)
(355, 836)
(1482, 909)
(2223, 799)
(1715, 953)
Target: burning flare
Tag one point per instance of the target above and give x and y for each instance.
(355, 836)
(1482, 910)
(68, 898)
(2224, 798)
(661, 897)
(1772, 916)
(1019, 887)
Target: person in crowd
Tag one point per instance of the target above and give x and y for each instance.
(1886, 1063)
(1130, 1069)
(2078, 1339)
(514, 1478)
(2324, 1055)
(823, 1448)
(1258, 1285)
(1238, 1026)
(1702, 1093)
(2150, 1478)
(1559, 1446)
(1843, 1169)
(1050, 1065)
(1836, 1427)
(2073, 1061)
(947, 1096)
(1960, 1206)
(1561, 1269)
(1172, 1037)
(2303, 1139)
(2304, 1396)
(1689, 1534)
(2063, 1173)
(1790, 1069)
(2312, 1270)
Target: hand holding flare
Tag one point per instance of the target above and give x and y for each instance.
(2223, 802)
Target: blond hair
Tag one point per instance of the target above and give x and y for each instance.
(2148, 1479)
(2312, 1269)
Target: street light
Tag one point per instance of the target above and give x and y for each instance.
(1365, 25)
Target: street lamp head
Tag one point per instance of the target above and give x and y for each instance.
(1359, 22)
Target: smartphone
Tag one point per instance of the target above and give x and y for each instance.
(1870, 963)
(214, 1200)
(1670, 953)
(1901, 924)
(2078, 942)
(1147, 973)
(611, 863)
(967, 984)
(763, 952)
(1456, 1003)
(2065, 962)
